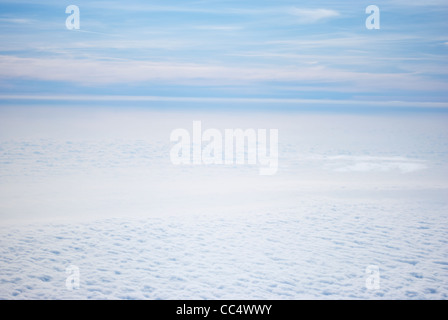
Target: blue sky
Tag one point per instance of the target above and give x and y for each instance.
(279, 53)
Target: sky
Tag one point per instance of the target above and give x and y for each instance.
(250, 54)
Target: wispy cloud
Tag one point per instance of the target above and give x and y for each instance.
(380, 164)
(313, 15)
(404, 3)
(228, 47)
(16, 20)
(89, 72)
(219, 28)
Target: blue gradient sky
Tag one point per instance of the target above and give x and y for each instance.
(299, 54)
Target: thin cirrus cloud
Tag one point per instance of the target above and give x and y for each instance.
(208, 48)
(16, 20)
(219, 28)
(312, 15)
(306, 15)
(97, 72)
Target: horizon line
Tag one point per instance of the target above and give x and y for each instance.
(384, 103)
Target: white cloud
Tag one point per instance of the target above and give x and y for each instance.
(89, 71)
(218, 28)
(345, 163)
(403, 167)
(427, 3)
(16, 20)
(313, 15)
